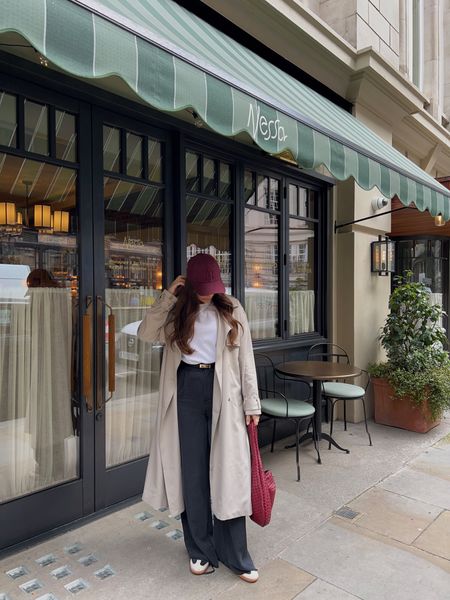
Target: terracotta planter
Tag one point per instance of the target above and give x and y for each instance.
(391, 411)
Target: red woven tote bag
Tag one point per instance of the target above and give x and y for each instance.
(263, 483)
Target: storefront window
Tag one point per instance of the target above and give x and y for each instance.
(262, 240)
(275, 310)
(134, 279)
(209, 231)
(209, 216)
(209, 177)
(428, 261)
(225, 181)
(66, 136)
(192, 172)
(111, 149)
(135, 166)
(301, 260)
(249, 187)
(39, 441)
(8, 120)
(36, 128)
(301, 276)
(261, 273)
(155, 161)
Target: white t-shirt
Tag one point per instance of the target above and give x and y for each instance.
(204, 340)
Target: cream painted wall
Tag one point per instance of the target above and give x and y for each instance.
(361, 303)
(433, 55)
(446, 67)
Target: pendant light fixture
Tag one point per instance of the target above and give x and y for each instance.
(61, 221)
(42, 218)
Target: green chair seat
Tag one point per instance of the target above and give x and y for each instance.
(342, 390)
(276, 407)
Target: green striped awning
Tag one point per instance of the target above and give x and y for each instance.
(173, 60)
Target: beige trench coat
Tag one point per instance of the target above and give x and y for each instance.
(235, 395)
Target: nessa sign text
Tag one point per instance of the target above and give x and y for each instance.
(269, 129)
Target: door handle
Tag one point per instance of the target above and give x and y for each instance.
(111, 354)
(87, 356)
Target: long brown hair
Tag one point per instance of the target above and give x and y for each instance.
(184, 313)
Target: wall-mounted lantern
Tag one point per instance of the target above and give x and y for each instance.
(383, 256)
(439, 220)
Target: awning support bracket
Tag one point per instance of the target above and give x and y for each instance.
(386, 212)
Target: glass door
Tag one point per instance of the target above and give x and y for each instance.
(45, 476)
(82, 209)
(129, 276)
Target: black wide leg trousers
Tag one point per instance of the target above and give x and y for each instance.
(206, 538)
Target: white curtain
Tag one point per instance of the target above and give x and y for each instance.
(301, 311)
(262, 311)
(130, 414)
(38, 447)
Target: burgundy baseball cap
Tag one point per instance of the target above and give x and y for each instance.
(203, 273)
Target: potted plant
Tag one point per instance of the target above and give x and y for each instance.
(412, 388)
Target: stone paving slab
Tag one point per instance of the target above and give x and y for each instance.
(321, 590)
(291, 518)
(419, 486)
(436, 538)
(366, 567)
(393, 515)
(279, 580)
(434, 461)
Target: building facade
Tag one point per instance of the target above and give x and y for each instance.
(130, 142)
(391, 61)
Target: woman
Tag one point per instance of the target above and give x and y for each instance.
(199, 462)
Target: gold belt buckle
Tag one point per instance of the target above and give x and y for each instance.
(203, 366)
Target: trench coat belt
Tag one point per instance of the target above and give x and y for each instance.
(198, 365)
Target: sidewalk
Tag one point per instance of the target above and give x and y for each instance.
(391, 541)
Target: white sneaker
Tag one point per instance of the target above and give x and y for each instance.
(196, 566)
(250, 577)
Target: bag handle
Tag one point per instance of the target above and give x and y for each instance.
(254, 447)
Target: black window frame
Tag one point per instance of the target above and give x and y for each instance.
(243, 160)
(192, 146)
(445, 257)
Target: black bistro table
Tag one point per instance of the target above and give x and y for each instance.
(318, 371)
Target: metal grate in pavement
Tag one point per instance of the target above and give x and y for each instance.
(347, 513)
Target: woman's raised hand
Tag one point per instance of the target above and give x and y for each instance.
(180, 281)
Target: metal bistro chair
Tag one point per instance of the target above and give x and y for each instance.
(276, 406)
(334, 391)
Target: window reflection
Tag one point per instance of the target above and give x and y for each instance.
(263, 191)
(134, 155)
(133, 248)
(301, 276)
(261, 273)
(155, 161)
(209, 176)
(192, 172)
(66, 136)
(225, 182)
(36, 127)
(249, 187)
(39, 441)
(111, 149)
(428, 261)
(8, 120)
(209, 231)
